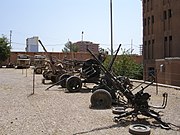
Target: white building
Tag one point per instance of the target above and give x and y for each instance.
(32, 44)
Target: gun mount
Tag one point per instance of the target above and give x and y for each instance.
(88, 72)
(110, 85)
(56, 69)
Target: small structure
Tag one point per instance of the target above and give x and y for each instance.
(39, 63)
(83, 45)
(23, 61)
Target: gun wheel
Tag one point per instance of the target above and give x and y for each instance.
(38, 70)
(139, 129)
(101, 99)
(73, 84)
(63, 77)
(47, 75)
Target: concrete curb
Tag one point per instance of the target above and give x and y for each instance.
(158, 84)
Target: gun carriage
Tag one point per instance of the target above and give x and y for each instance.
(118, 90)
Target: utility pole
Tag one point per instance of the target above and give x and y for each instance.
(131, 46)
(111, 23)
(10, 45)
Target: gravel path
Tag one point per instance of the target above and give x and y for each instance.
(55, 112)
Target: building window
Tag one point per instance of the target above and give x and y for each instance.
(152, 27)
(170, 45)
(145, 50)
(147, 5)
(148, 25)
(152, 19)
(170, 38)
(169, 13)
(149, 49)
(151, 4)
(152, 49)
(165, 15)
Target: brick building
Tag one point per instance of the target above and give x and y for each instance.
(83, 45)
(161, 40)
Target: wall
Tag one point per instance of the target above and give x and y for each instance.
(168, 71)
(59, 55)
(75, 56)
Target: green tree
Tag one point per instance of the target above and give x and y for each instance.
(5, 49)
(125, 65)
(70, 47)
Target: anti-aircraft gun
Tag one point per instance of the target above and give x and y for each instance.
(56, 69)
(89, 72)
(110, 85)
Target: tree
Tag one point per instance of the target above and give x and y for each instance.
(5, 49)
(125, 65)
(70, 47)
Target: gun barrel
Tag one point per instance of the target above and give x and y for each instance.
(113, 59)
(115, 82)
(49, 56)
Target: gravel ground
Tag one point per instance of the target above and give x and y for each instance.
(55, 112)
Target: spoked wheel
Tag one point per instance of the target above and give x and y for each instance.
(101, 99)
(73, 84)
(63, 79)
(139, 129)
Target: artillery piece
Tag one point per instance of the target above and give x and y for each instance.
(114, 88)
(55, 70)
(89, 73)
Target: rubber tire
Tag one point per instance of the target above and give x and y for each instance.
(73, 84)
(54, 78)
(139, 129)
(65, 77)
(101, 99)
(38, 70)
(47, 75)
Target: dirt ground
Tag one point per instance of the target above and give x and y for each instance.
(55, 112)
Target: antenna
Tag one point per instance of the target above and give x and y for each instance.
(82, 35)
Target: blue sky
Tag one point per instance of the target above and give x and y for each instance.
(57, 21)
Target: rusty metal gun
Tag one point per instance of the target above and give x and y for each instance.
(138, 102)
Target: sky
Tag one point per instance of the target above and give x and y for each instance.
(56, 22)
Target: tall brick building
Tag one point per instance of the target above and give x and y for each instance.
(161, 40)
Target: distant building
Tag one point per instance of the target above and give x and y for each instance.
(32, 44)
(161, 40)
(83, 45)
